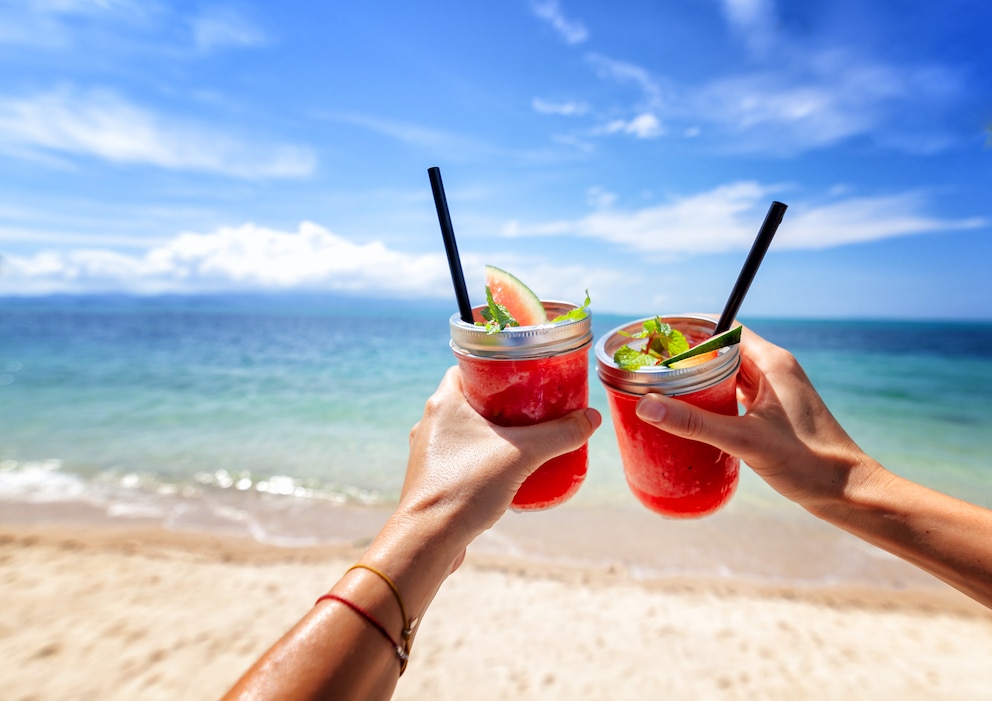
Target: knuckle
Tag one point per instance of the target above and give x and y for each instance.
(692, 424)
(433, 405)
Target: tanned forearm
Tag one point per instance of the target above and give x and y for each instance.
(945, 536)
(334, 652)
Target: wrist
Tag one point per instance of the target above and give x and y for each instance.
(417, 553)
(857, 487)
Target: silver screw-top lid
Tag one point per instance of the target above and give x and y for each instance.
(515, 342)
(670, 381)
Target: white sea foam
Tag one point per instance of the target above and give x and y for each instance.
(40, 481)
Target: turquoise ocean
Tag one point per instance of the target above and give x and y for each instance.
(241, 412)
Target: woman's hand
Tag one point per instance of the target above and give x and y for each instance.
(461, 477)
(465, 470)
(787, 435)
(789, 438)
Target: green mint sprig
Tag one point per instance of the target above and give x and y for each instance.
(663, 341)
(496, 315)
(577, 314)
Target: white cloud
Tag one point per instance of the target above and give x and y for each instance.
(244, 257)
(566, 109)
(220, 27)
(643, 126)
(102, 124)
(600, 198)
(727, 218)
(253, 258)
(571, 31)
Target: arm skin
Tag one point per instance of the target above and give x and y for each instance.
(791, 440)
(461, 476)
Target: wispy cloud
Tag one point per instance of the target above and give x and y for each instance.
(643, 126)
(726, 219)
(441, 143)
(625, 73)
(565, 109)
(571, 31)
(405, 132)
(645, 122)
(79, 6)
(825, 98)
(102, 124)
(223, 27)
(864, 219)
(805, 96)
(53, 25)
(753, 21)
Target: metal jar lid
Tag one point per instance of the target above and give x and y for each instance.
(670, 381)
(514, 342)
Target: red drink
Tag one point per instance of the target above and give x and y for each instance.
(673, 476)
(525, 375)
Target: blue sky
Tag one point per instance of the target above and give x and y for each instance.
(631, 148)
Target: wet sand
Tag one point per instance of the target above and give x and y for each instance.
(124, 611)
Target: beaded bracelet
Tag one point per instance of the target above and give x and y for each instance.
(401, 652)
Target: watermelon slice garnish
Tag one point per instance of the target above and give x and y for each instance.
(515, 297)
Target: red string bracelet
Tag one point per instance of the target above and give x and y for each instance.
(408, 623)
(400, 652)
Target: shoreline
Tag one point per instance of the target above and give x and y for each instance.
(738, 548)
(112, 612)
(225, 549)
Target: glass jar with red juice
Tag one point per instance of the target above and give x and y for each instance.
(524, 375)
(673, 476)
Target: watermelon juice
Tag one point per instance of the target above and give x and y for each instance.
(673, 476)
(525, 375)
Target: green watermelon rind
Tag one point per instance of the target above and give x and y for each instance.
(520, 300)
(727, 338)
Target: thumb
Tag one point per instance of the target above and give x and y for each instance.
(683, 419)
(550, 439)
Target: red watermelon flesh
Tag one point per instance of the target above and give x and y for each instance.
(518, 299)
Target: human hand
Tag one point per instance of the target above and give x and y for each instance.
(466, 470)
(787, 435)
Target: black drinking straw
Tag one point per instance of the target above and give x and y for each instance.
(450, 247)
(754, 258)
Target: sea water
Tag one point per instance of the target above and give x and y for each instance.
(163, 406)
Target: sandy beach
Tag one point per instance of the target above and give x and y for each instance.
(111, 612)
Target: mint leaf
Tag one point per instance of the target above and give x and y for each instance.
(577, 314)
(627, 358)
(666, 341)
(497, 316)
(663, 341)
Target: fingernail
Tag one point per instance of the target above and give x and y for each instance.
(650, 409)
(594, 417)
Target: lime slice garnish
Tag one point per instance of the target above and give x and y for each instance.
(727, 338)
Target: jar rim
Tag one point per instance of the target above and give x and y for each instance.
(535, 341)
(669, 381)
